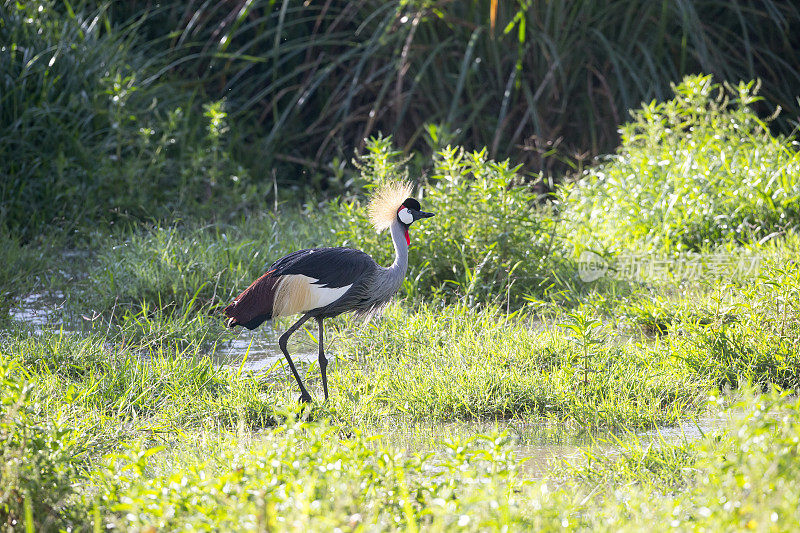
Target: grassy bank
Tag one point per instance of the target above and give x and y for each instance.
(318, 474)
(109, 427)
(453, 362)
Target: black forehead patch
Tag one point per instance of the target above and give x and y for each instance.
(411, 203)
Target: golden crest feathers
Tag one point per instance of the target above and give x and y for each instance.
(385, 202)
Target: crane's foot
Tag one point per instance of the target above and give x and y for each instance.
(305, 398)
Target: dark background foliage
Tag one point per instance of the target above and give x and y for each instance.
(525, 79)
(105, 106)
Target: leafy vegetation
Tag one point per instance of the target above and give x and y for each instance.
(692, 173)
(126, 111)
(306, 476)
(314, 474)
(38, 467)
(759, 346)
(723, 482)
(488, 239)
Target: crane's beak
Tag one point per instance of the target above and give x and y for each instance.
(422, 214)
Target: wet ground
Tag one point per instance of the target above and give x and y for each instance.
(538, 443)
(257, 351)
(39, 310)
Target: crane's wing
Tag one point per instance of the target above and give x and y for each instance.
(298, 283)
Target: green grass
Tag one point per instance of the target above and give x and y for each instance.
(22, 267)
(758, 346)
(38, 466)
(91, 130)
(131, 423)
(316, 475)
(742, 478)
(191, 267)
(126, 417)
(454, 362)
(95, 377)
(127, 112)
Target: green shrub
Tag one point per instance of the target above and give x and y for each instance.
(488, 241)
(37, 458)
(693, 172)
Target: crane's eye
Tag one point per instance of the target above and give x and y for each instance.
(405, 216)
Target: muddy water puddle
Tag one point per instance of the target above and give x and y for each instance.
(42, 311)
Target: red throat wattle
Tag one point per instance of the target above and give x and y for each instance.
(408, 239)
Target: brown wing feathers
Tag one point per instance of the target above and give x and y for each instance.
(256, 303)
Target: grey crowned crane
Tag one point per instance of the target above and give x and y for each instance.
(325, 282)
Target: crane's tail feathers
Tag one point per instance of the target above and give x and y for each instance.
(255, 304)
(386, 201)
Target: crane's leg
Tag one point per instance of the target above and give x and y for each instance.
(304, 395)
(323, 361)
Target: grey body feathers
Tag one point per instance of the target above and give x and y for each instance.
(371, 286)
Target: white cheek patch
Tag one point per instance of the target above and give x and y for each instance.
(404, 216)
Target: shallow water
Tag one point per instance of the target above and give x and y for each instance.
(258, 352)
(40, 310)
(539, 459)
(540, 444)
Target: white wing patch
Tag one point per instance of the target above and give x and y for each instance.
(299, 294)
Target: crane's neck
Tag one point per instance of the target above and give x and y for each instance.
(400, 248)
